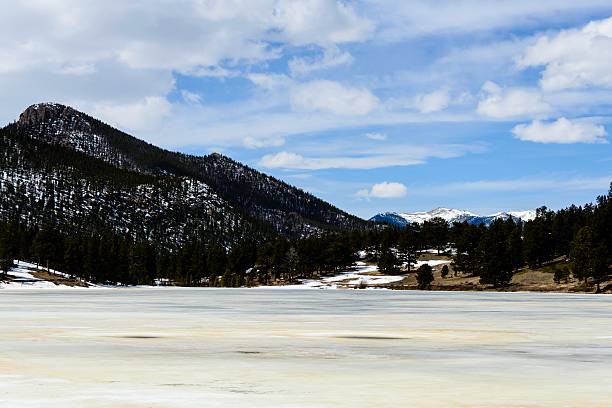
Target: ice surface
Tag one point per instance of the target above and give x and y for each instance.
(184, 348)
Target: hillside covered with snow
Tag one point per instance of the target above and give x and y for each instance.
(62, 166)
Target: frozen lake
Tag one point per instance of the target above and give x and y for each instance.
(176, 347)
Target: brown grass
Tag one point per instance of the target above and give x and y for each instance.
(58, 279)
(526, 279)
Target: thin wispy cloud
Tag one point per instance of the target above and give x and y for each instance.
(389, 155)
(527, 184)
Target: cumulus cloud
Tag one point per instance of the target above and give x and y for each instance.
(384, 190)
(332, 57)
(83, 53)
(511, 103)
(333, 97)
(432, 102)
(318, 22)
(561, 131)
(203, 35)
(573, 58)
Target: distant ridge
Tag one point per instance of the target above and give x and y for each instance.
(450, 215)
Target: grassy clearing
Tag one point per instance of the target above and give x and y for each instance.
(58, 279)
(526, 279)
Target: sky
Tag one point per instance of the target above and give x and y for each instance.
(373, 105)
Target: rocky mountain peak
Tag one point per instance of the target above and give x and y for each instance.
(46, 112)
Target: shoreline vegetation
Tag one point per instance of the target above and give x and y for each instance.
(569, 250)
(525, 280)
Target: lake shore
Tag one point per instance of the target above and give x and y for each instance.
(362, 276)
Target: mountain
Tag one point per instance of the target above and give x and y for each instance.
(61, 166)
(451, 216)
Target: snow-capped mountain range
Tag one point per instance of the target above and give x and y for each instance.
(450, 215)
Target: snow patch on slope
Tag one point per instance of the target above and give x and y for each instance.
(21, 277)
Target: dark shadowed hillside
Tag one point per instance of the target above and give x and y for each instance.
(64, 167)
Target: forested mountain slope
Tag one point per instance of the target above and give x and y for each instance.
(64, 167)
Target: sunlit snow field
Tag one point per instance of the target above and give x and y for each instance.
(176, 347)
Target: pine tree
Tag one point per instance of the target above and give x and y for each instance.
(515, 246)
(6, 259)
(581, 254)
(407, 247)
(444, 272)
(73, 258)
(599, 265)
(388, 262)
(466, 238)
(216, 262)
(494, 259)
(436, 233)
(561, 274)
(538, 242)
(44, 246)
(424, 277)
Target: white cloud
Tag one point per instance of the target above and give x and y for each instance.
(432, 102)
(203, 35)
(211, 71)
(384, 190)
(118, 53)
(142, 115)
(251, 142)
(289, 160)
(190, 97)
(367, 158)
(319, 22)
(560, 131)
(574, 58)
(376, 136)
(270, 82)
(286, 160)
(512, 103)
(415, 18)
(111, 84)
(300, 176)
(332, 57)
(263, 117)
(527, 184)
(333, 97)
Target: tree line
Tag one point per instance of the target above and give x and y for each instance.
(110, 258)
(494, 253)
(581, 236)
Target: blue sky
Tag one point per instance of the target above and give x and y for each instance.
(372, 105)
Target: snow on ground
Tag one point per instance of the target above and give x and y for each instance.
(22, 278)
(432, 263)
(361, 275)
